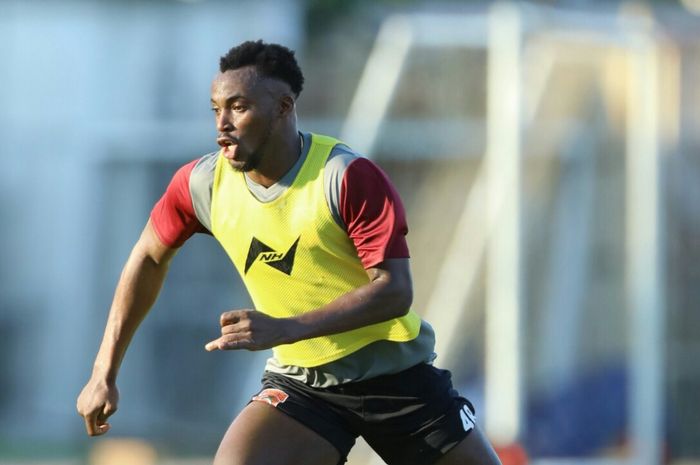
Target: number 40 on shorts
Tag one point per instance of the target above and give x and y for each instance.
(468, 418)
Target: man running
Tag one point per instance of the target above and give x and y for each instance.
(317, 234)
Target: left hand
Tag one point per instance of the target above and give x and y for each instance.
(251, 330)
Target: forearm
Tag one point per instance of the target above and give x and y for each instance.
(380, 300)
(136, 292)
(388, 295)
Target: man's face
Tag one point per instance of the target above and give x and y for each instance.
(245, 116)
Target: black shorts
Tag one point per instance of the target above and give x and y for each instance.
(410, 418)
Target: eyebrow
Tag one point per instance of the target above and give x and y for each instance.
(229, 99)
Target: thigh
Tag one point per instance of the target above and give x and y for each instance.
(416, 417)
(262, 435)
(474, 449)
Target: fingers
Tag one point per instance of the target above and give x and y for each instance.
(97, 401)
(213, 345)
(238, 328)
(91, 424)
(96, 420)
(229, 342)
(109, 409)
(221, 344)
(235, 331)
(232, 317)
(96, 423)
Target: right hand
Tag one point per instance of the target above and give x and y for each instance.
(97, 401)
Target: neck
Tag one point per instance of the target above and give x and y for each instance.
(278, 158)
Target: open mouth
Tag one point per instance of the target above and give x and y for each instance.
(229, 146)
(225, 142)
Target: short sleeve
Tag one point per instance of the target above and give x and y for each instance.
(373, 213)
(173, 216)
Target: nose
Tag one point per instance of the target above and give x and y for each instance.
(224, 123)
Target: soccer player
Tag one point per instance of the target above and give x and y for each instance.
(317, 234)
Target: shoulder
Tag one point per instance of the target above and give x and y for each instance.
(203, 168)
(198, 170)
(350, 168)
(340, 158)
(346, 168)
(200, 187)
(183, 208)
(365, 203)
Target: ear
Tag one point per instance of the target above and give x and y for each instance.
(286, 105)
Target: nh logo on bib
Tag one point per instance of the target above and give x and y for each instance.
(261, 252)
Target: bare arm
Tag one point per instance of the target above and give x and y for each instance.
(137, 290)
(388, 295)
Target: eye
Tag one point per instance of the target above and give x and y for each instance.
(216, 110)
(239, 108)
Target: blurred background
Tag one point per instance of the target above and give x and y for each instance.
(547, 154)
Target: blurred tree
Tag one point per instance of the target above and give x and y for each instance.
(322, 15)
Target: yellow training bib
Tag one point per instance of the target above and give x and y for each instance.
(294, 258)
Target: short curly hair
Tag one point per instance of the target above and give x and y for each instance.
(270, 60)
